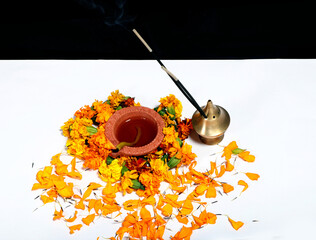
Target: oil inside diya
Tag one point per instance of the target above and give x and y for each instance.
(134, 131)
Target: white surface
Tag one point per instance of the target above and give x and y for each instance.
(273, 113)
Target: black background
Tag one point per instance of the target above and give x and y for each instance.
(100, 29)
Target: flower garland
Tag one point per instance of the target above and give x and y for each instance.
(148, 215)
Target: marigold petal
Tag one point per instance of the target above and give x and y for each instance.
(182, 219)
(58, 215)
(45, 199)
(145, 214)
(227, 187)
(88, 219)
(200, 189)
(72, 219)
(75, 228)
(167, 210)
(211, 192)
(252, 176)
(222, 171)
(229, 166)
(187, 207)
(235, 225)
(243, 183)
(185, 233)
(246, 156)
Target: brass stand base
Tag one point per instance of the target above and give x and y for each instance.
(213, 140)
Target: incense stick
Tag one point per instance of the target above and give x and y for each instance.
(172, 76)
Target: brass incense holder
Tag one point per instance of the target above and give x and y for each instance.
(211, 129)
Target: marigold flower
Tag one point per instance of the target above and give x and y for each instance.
(172, 101)
(115, 98)
(85, 112)
(184, 128)
(110, 172)
(159, 167)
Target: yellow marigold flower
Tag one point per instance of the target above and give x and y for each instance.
(79, 128)
(126, 180)
(66, 127)
(170, 101)
(170, 135)
(116, 98)
(174, 149)
(167, 120)
(159, 167)
(110, 172)
(104, 115)
(76, 147)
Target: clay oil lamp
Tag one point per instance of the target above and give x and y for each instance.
(134, 131)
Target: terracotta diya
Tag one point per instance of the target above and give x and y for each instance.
(134, 131)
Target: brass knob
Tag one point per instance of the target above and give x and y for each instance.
(211, 129)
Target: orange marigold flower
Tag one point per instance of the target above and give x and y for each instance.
(104, 111)
(85, 112)
(129, 102)
(184, 128)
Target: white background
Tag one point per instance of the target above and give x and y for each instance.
(273, 114)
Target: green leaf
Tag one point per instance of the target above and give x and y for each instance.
(171, 110)
(119, 108)
(237, 151)
(124, 169)
(91, 130)
(179, 141)
(173, 162)
(108, 102)
(137, 184)
(164, 157)
(126, 97)
(94, 119)
(109, 160)
(162, 112)
(92, 108)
